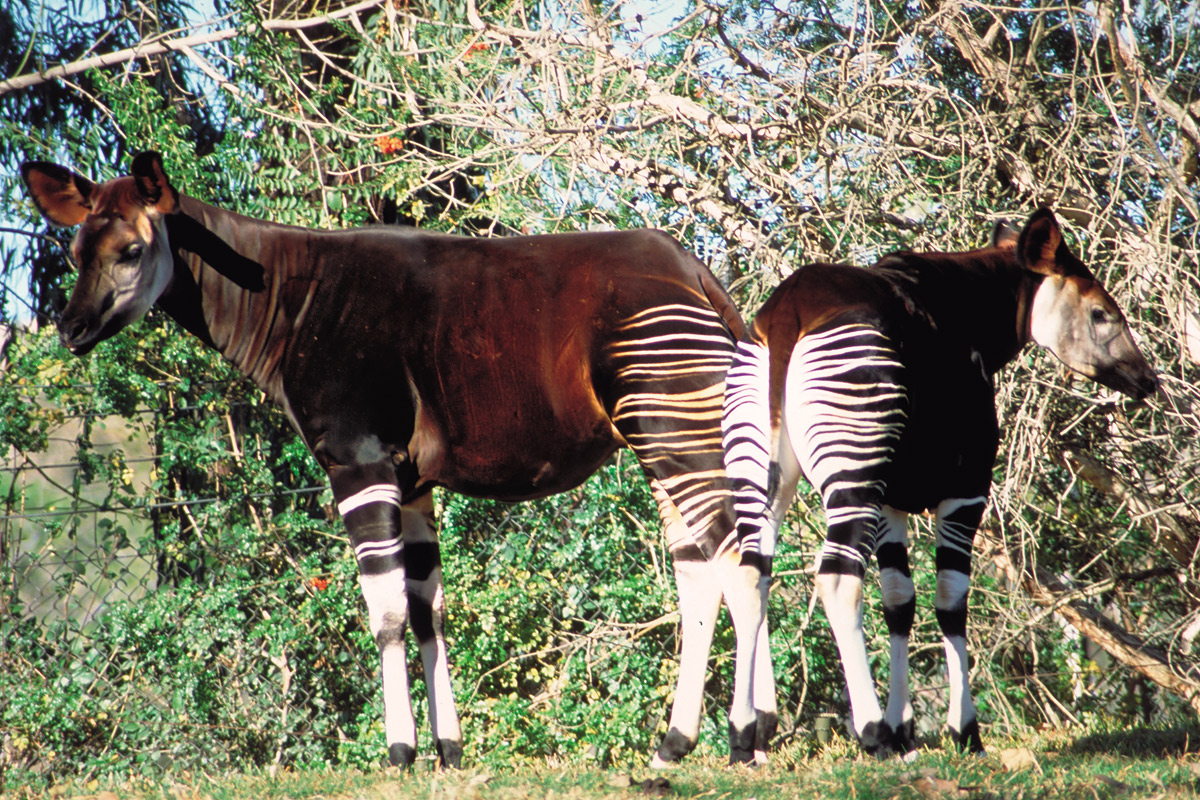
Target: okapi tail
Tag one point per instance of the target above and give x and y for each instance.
(722, 303)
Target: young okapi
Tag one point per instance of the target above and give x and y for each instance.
(877, 383)
(503, 368)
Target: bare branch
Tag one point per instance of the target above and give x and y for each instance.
(1176, 675)
(183, 45)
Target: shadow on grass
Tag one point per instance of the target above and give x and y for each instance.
(1139, 743)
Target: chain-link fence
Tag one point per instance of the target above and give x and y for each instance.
(124, 635)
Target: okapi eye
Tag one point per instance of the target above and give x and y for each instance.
(1099, 316)
(132, 253)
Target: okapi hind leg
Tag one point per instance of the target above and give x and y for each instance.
(766, 709)
(957, 520)
(841, 595)
(369, 502)
(763, 473)
(845, 406)
(702, 584)
(899, 609)
(699, 603)
(427, 615)
(745, 588)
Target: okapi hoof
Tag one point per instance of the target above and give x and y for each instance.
(674, 747)
(768, 726)
(401, 755)
(968, 740)
(741, 743)
(449, 754)
(878, 739)
(904, 740)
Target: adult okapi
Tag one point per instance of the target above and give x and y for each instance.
(877, 383)
(504, 368)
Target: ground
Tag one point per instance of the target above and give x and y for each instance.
(1131, 763)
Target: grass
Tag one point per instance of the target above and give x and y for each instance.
(1133, 763)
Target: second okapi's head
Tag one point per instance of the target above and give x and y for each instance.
(1073, 316)
(121, 249)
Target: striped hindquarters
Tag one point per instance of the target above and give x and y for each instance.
(746, 435)
(846, 406)
(668, 365)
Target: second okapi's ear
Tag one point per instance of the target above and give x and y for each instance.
(1004, 236)
(1039, 244)
(64, 197)
(153, 185)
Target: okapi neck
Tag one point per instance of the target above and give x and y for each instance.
(980, 298)
(241, 284)
(1026, 289)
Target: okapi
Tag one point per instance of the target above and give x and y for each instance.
(877, 384)
(506, 368)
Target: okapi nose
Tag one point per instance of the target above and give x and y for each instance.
(1148, 385)
(71, 331)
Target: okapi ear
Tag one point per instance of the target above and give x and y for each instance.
(152, 183)
(1039, 244)
(64, 197)
(1004, 236)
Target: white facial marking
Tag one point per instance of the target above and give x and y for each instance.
(1045, 318)
(137, 286)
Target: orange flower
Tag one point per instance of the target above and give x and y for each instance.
(474, 48)
(388, 144)
(319, 583)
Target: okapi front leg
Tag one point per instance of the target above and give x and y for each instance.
(427, 611)
(369, 502)
(957, 520)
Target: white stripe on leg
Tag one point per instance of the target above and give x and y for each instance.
(428, 613)
(379, 493)
(951, 595)
(897, 592)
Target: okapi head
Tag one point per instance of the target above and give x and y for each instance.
(123, 251)
(1072, 315)
(121, 248)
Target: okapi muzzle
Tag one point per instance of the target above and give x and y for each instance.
(121, 249)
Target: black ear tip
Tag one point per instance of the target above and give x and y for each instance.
(60, 172)
(1043, 213)
(143, 162)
